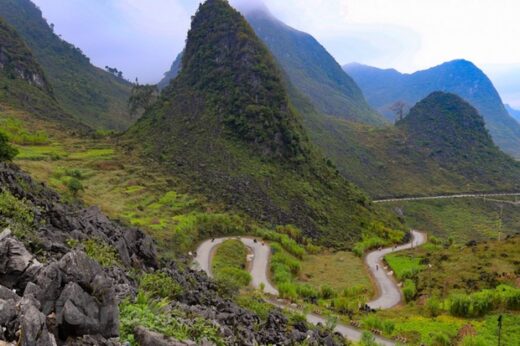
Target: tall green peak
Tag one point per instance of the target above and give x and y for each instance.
(230, 66)
(225, 126)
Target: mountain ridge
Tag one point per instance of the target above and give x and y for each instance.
(383, 88)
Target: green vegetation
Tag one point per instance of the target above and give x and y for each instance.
(485, 301)
(404, 267)
(89, 93)
(409, 290)
(17, 214)
(103, 253)
(312, 70)
(392, 164)
(157, 316)
(17, 133)
(461, 220)
(377, 235)
(7, 152)
(160, 285)
(229, 266)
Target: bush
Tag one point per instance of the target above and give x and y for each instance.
(228, 267)
(101, 252)
(343, 305)
(7, 152)
(441, 339)
(160, 285)
(74, 186)
(288, 290)
(460, 305)
(434, 306)
(327, 292)
(307, 293)
(367, 339)
(17, 214)
(409, 290)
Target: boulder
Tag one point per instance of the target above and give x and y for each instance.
(14, 260)
(145, 337)
(78, 313)
(33, 324)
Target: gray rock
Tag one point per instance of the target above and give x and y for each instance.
(33, 325)
(14, 260)
(147, 337)
(7, 311)
(7, 294)
(78, 267)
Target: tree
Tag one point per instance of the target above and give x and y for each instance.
(114, 71)
(7, 152)
(142, 98)
(74, 186)
(398, 108)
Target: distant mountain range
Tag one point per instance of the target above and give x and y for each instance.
(384, 88)
(513, 112)
(308, 66)
(92, 95)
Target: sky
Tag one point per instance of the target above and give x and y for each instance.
(142, 37)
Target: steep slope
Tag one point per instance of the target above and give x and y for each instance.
(226, 125)
(172, 72)
(513, 112)
(309, 67)
(87, 92)
(23, 83)
(392, 162)
(383, 88)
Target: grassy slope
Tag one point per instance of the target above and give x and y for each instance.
(89, 93)
(461, 219)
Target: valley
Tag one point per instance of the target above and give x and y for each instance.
(260, 194)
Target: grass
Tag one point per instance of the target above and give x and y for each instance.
(404, 267)
(460, 219)
(340, 270)
(229, 267)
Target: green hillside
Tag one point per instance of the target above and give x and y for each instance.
(383, 88)
(92, 95)
(23, 83)
(226, 125)
(419, 156)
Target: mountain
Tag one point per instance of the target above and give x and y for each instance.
(23, 83)
(92, 95)
(441, 147)
(226, 126)
(513, 112)
(383, 88)
(172, 72)
(309, 67)
(451, 132)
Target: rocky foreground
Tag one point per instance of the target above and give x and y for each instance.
(53, 293)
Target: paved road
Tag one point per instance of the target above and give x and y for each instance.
(466, 195)
(258, 267)
(389, 294)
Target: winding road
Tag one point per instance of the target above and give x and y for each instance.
(465, 195)
(389, 294)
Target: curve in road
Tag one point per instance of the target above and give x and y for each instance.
(389, 293)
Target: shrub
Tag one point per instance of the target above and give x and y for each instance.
(228, 267)
(342, 305)
(74, 186)
(7, 152)
(17, 214)
(160, 285)
(460, 305)
(327, 292)
(102, 252)
(354, 291)
(409, 290)
(288, 290)
(441, 339)
(434, 307)
(367, 339)
(307, 293)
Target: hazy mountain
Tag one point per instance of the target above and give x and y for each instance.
(383, 88)
(441, 147)
(308, 66)
(96, 97)
(23, 83)
(513, 112)
(172, 72)
(226, 125)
